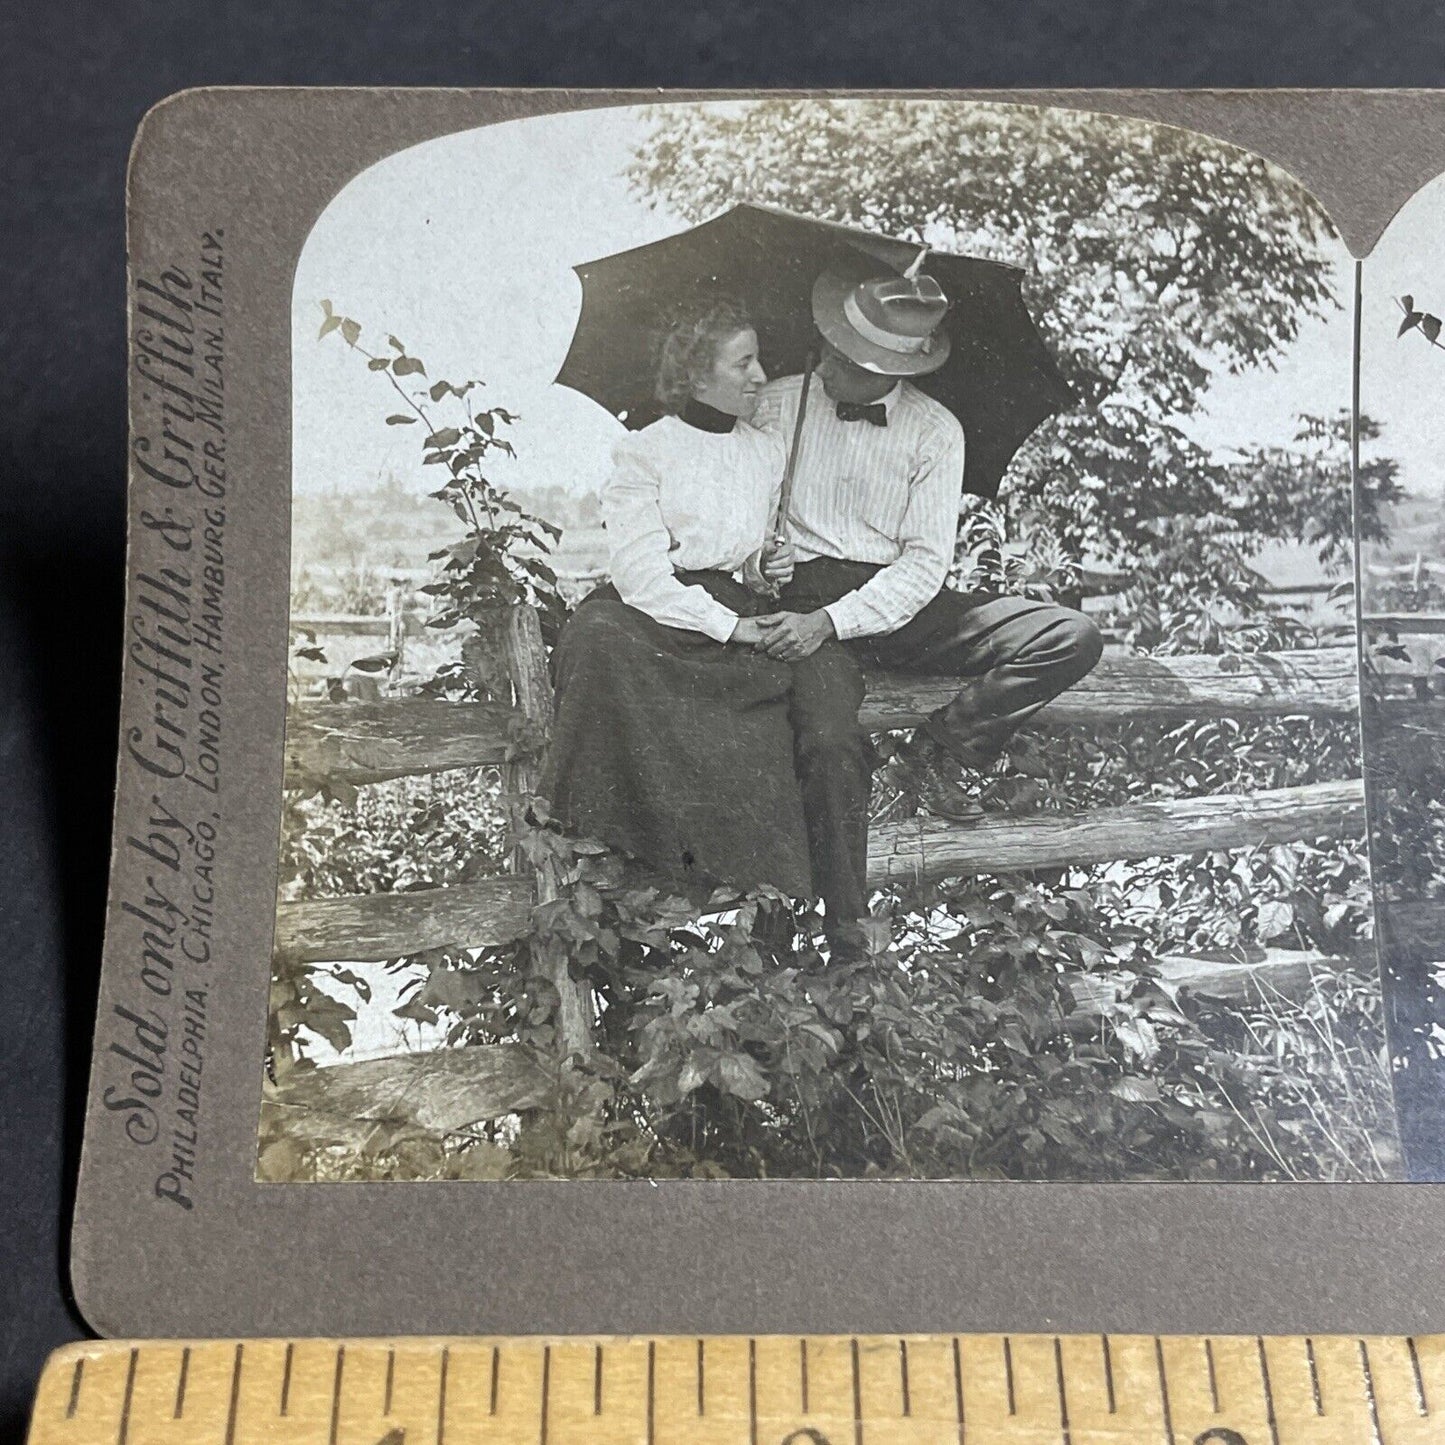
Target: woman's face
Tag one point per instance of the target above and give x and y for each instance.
(733, 384)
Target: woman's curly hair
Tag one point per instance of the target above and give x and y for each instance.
(689, 348)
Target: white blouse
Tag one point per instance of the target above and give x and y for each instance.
(684, 499)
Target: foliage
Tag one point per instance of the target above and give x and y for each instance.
(1017, 1029)
(1157, 260)
(498, 562)
(392, 837)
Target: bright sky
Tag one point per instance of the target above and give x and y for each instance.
(1402, 381)
(463, 247)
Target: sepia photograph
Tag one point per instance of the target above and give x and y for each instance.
(825, 643)
(1403, 653)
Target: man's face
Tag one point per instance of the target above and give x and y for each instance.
(844, 380)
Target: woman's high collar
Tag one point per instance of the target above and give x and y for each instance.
(706, 418)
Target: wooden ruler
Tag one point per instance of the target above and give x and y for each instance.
(772, 1390)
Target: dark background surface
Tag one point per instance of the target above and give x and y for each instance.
(74, 81)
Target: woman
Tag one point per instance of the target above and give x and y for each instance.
(672, 740)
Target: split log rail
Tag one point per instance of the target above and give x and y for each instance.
(370, 742)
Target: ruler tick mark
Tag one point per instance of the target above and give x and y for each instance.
(1421, 1404)
(752, 1392)
(1268, 1391)
(336, 1393)
(1314, 1376)
(903, 1374)
(442, 1398)
(546, 1385)
(286, 1380)
(75, 1379)
(235, 1404)
(1063, 1395)
(496, 1378)
(651, 1392)
(857, 1396)
(1108, 1371)
(123, 1434)
(390, 1381)
(597, 1382)
(1008, 1373)
(1213, 1375)
(701, 1377)
(180, 1405)
(1164, 1390)
(1370, 1393)
(803, 1372)
(958, 1388)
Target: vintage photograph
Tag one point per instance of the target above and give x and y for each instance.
(824, 644)
(1403, 604)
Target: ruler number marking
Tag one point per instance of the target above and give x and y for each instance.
(1421, 1404)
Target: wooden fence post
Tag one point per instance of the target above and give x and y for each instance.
(396, 596)
(532, 687)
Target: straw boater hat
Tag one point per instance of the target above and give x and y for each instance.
(885, 322)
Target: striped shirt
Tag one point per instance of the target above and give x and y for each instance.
(866, 493)
(681, 499)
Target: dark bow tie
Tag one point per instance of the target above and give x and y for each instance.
(873, 412)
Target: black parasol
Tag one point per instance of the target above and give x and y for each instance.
(1000, 380)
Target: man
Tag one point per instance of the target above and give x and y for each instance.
(871, 529)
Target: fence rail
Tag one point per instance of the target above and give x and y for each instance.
(398, 737)
(359, 742)
(494, 911)
(1414, 624)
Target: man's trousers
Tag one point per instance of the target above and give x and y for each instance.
(1011, 655)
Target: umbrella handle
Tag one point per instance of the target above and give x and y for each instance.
(785, 495)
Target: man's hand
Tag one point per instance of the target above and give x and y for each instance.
(792, 636)
(747, 633)
(777, 562)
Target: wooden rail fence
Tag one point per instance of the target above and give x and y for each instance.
(397, 737)
(370, 742)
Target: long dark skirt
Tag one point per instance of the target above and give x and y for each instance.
(678, 749)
